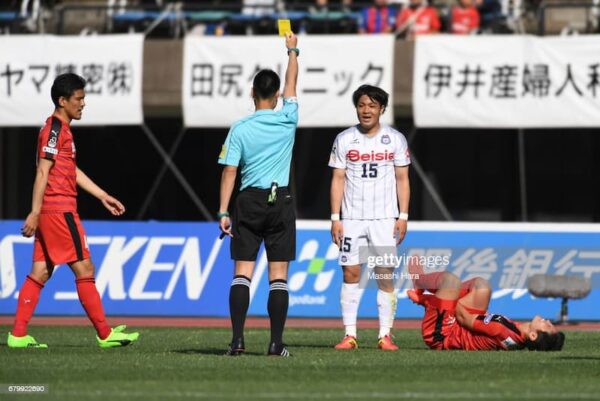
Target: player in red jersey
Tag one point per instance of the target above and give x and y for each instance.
(456, 317)
(59, 236)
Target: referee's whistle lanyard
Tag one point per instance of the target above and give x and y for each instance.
(272, 198)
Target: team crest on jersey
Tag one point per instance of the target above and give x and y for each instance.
(386, 139)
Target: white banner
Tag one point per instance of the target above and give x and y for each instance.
(507, 81)
(111, 65)
(218, 73)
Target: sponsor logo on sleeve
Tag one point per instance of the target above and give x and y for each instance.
(50, 150)
(223, 151)
(509, 343)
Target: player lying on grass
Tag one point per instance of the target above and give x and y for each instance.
(456, 317)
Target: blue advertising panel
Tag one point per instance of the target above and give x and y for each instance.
(183, 269)
(150, 268)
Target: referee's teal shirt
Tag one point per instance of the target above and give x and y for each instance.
(261, 144)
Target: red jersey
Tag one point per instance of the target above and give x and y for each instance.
(441, 331)
(55, 142)
(418, 21)
(504, 335)
(464, 20)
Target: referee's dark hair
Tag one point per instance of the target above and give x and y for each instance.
(374, 93)
(266, 83)
(64, 85)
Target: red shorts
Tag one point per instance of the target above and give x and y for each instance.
(439, 323)
(60, 239)
(441, 330)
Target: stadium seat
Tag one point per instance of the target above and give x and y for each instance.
(565, 287)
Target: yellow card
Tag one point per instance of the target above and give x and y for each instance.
(285, 26)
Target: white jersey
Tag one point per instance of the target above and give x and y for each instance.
(370, 191)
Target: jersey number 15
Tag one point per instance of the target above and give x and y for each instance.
(369, 170)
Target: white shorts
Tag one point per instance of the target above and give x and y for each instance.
(365, 239)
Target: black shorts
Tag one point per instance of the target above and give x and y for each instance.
(254, 220)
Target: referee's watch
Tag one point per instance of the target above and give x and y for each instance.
(220, 215)
(293, 49)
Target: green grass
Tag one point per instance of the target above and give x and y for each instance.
(186, 364)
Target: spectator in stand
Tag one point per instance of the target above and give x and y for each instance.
(378, 18)
(260, 8)
(464, 18)
(320, 6)
(347, 6)
(490, 12)
(417, 19)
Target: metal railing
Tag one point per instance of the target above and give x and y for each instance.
(179, 14)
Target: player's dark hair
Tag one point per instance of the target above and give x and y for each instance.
(374, 93)
(64, 85)
(266, 83)
(546, 342)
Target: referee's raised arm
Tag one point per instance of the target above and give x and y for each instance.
(291, 75)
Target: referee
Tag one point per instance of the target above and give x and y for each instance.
(261, 144)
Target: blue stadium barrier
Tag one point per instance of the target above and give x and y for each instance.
(8, 15)
(183, 269)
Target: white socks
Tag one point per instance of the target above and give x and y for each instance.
(350, 299)
(386, 304)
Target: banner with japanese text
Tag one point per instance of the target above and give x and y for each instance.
(111, 65)
(218, 74)
(507, 81)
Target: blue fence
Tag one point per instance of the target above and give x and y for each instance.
(183, 269)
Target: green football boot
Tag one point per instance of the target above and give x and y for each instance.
(26, 341)
(118, 338)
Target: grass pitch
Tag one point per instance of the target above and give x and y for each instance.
(187, 364)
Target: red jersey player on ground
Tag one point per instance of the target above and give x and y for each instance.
(59, 236)
(456, 318)
(464, 18)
